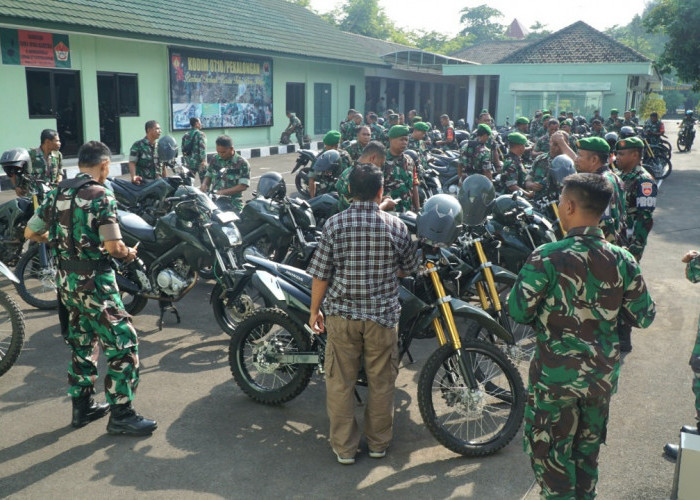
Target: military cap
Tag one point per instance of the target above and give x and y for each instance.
(629, 143)
(483, 129)
(422, 126)
(633, 110)
(484, 112)
(331, 138)
(522, 121)
(398, 131)
(417, 119)
(568, 122)
(546, 117)
(393, 117)
(517, 138)
(593, 144)
(614, 111)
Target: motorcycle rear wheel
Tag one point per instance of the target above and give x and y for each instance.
(659, 166)
(470, 422)
(302, 182)
(11, 332)
(681, 143)
(257, 339)
(37, 283)
(228, 316)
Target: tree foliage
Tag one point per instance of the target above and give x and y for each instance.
(479, 24)
(652, 103)
(538, 31)
(364, 17)
(679, 19)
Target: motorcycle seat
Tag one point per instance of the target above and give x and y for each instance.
(129, 186)
(136, 226)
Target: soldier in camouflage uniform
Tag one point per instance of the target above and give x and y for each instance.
(475, 156)
(393, 120)
(376, 129)
(628, 122)
(542, 145)
(513, 174)
(79, 218)
(295, 127)
(592, 157)
(567, 126)
(194, 149)
(348, 119)
(540, 127)
(46, 163)
(572, 292)
(354, 150)
(654, 129)
(143, 157)
(522, 125)
(374, 153)
(634, 117)
(416, 142)
(537, 178)
(228, 174)
(328, 178)
(610, 122)
(597, 129)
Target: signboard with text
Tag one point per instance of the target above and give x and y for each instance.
(34, 48)
(222, 90)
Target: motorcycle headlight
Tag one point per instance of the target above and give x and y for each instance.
(233, 235)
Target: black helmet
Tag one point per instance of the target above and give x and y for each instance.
(626, 132)
(380, 121)
(271, 185)
(167, 148)
(562, 166)
(461, 136)
(440, 221)
(505, 203)
(15, 161)
(461, 123)
(476, 197)
(413, 155)
(327, 160)
(611, 137)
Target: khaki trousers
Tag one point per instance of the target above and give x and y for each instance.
(348, 342)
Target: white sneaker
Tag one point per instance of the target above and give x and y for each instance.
(377, 454)
(344, 461)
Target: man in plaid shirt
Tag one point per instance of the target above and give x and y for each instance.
(361, 254)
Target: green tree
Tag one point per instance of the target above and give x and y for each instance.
(304, 3)
(679, 19)
(652, 103)
(478, 23)
(364, 17)
(537, 31)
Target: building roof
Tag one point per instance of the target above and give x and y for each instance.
(516, 30)
(269, 26)
(491, 52)
(577, 43)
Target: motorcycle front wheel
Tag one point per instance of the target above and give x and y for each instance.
(11, 332)
(302, 181)
(471, 421)
(659, 166)
(252, 357)
(37, 280)
(681, 142)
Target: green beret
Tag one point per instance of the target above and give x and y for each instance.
(594, 144)
(629, 143)
(633, 110)
(546, 117)
(614, 111)
(483, 129)
(517, 138)
(422, 126)
(569, 122)
(522, 121)
(393, 117)
(398, 131)
(331, 138)
(417, 119)
(484, 112)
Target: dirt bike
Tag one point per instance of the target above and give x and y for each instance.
(11, 326)
(471, 397)
(302, 167)
(686, 136)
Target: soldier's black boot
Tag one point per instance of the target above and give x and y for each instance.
(125, 420)
(671, 451)
(85, 410)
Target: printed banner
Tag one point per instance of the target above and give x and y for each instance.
(34, 48)
(222, 90)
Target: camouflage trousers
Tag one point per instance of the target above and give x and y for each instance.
(100, 318)
(695, 365)
(562, 436)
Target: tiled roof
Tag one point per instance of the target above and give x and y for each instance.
(275, 26)
(490, 52)
(578, 43)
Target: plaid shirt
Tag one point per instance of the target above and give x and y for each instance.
(360, 252)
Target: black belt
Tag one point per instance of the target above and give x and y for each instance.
(84, 266)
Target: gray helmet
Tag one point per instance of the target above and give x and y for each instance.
(562, 166)
(327, 160)
(413, 155)
(15, 161)
(271, 185)
(476, 197)
(440, 221)
(611, 138)
(626, 132)
(167, 148)
(504, 204)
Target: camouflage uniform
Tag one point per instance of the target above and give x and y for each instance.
(328, 179)
(640, 200)
(419, 147)
(95, 308)
(601, 133)
(295, 127)
(572, 292)
(635, 120)
(39, 169)
(657, 127)
(692, 272)
(348, 131)
(539, 173)
(609, 123)
(145, 156)
(475, 157)
(197, 157)
(354, 150)
(542, 145)
(628, 123)
(344, 198)
(236, 171)
(513, 173)
(377, 131)
(613, 222)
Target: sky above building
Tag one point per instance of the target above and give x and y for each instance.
(443, 15)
